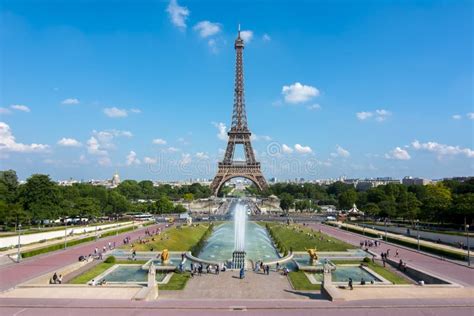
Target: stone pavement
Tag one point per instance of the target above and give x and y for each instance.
(451, 271)
(15, 274)
(227, 285)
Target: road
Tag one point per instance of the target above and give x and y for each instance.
(452, 271)
(17, 273)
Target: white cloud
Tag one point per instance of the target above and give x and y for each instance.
(9, 144)
(178, 14)
(314, 107)
(298, 93)
(442, 149)
(266, 37)
(246, 36)
(341, 152)
(159, 141)
(105, 138)
(95, 148)
(115, 112)
(456, 117)
(207, 28)
(364, 115)
(4, 111)
(398, 154)
(132, 159)
(379, 115)
(265, 138)
(70, 101)
(303, 149)
(104, 161)
(69, 142)
(20, 107)
(172, 149)
(222, 134)
(185, 159)
(202, 155)
(286, 149)
(134, 110)
(150, 161)
(470, 115)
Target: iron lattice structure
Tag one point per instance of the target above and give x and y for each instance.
(239, 133)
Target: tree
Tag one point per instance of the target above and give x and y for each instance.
(164, 205)
(463, 207)
(130, 189)
(41, 197)
(8, 185)
(371, 209)
(88, 207)
(408, 205)
(188, 197)
(117, 204)
(436, 202)
(179, 208)
(286, 201)
(347, 199)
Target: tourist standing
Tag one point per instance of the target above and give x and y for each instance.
(350, 284)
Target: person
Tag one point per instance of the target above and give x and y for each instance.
(192, 273)
(217, 269)
(400, 264)
(92, 282)
(242, 273)
(350, 284)
(362, 281)
(278, 266)
(55, 278)
(396, 253)
(60, 279)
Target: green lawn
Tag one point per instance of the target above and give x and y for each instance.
(296, 237)
(299, 281)
(174, 239)
(177, 282)
(99, 269)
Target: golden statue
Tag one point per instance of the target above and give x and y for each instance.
(313, 256)
(165, 256)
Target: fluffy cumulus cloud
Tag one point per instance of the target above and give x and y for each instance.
(132, 159)
(398, 154)
(8, 142)
(185, 159)
(222, 130)
(341, 152)
(69, 142)
(172, 149)
(101, 141)
(265, 138)
(303, 149)
(314, 107)
(178, 14)
(115, 112)
(379, 115)
(442, 150)
(159, 141)
(470, 115)
(5, 111)
(20, 107)
(70, 101)
(207, 28)
(95, 148)
(299, 93)
(246, 36)
(456, 117)
(286, 149)
(150, 161)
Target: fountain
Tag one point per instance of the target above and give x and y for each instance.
(240, 223)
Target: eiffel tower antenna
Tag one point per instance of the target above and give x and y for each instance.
(239, 134)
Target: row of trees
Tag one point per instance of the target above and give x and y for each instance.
(40, 198)
(446, 201)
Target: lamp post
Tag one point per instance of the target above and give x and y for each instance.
(18, 256)
(468, 247)
(385, 225)
(65, 234)
(418, 233)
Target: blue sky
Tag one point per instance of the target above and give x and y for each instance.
(333, 88)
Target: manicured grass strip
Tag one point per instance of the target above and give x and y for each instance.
(177, 282)
(409, 244)
(174, 239)
(92, 273)
(387, 274)
(299, 238)
(299, 281)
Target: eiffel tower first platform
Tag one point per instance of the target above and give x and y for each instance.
(239, 134)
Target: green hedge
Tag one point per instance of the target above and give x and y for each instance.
(432, 250)
(276, 240)
(119, 231)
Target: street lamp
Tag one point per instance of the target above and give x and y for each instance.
(418, 233)
(18, 256)
(385, 225)
(65, 234)
(468, 247)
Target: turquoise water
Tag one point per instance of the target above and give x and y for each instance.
(343, 273)
(220, 245)
(130, 274)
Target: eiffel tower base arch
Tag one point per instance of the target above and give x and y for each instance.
(225, 173)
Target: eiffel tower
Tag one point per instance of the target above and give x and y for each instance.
(239, 133)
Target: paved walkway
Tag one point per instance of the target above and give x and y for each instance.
(457, 273)
(228, 285)
(17, 273)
